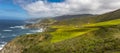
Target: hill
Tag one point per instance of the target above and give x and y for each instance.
(45, 21)
(91, 19)
(94, 34)
(71, 16)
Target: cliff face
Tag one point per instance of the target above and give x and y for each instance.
(12, 47)
(21, 43)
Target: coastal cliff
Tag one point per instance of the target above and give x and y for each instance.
(21, 43)
(96, 34)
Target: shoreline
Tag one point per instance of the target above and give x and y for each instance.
(2, 45)
(32, 32)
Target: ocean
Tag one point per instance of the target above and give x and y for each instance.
(9, 29)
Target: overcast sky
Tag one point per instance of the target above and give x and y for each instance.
(43, 8)
(50, 8)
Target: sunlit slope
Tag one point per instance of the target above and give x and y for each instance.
(104, 24)
(67, 32)
(63, 34)
(90, 38)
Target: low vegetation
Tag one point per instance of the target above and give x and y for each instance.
(98, 41)
(96, 34)
(104, 24)
(71, 39)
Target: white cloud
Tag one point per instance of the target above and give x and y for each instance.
(41, 8)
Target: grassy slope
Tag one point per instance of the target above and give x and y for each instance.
(97, 34)
(106, 23)
(92, 19)
(82, 35)
(81, 40)
(65, 32)
(72, 39)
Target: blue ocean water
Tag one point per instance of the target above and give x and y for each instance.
(9, 29)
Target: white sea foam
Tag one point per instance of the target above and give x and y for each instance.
(2, 45)
(28, 33)
(35, 31)
(12, 27)
(7, 30)
(39, 30)
(21, 27)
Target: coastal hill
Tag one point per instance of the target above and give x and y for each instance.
(72, 16)
(89, 34)
(41, 22)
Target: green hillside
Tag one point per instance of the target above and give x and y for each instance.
(91, 19)
(104, 24)
(94, 34)
(92, 38)
(64, 32)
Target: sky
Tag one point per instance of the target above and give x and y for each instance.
(23, 9)
(9, 10)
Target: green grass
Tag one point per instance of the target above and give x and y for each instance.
(68, 36)
(106, 23)
(67, 32)
(64, 34)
